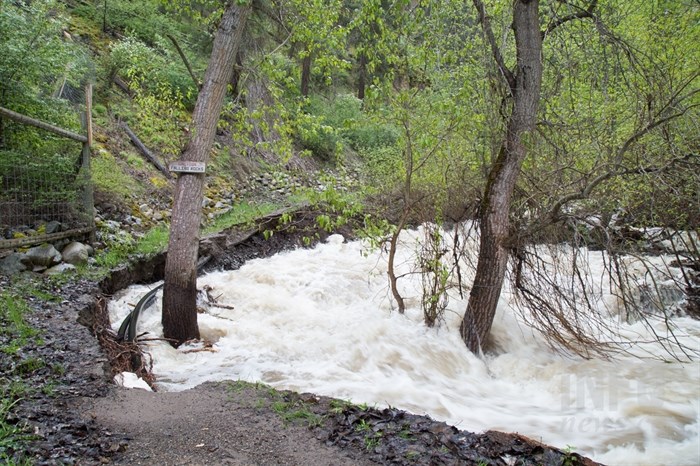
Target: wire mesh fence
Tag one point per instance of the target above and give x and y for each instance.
(45, 196)
(35, 193)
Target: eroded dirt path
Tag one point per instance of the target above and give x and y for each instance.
(216, 423)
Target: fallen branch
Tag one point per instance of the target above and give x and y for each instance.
(41, 125)
(122, 85)
(146, 153)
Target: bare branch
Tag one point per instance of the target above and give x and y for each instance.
(488, 31)
(587, 13)
(620, 171)
(650, 126)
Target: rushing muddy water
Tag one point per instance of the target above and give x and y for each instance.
(321, 321)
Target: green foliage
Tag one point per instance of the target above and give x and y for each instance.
(37, 60)
(154, 241)
(118, 248)
(435, 275)
(296, 411)
(41, 183)
(156, 73)
(12, 323)
(318, 139)
(344, 114)
(146, 20)
(570, 458)
(15, 333)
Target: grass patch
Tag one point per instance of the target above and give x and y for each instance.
(153, 242)
(12, 324)
(108, 176)
(15, 333)
(12, 437)
(296, 411)
(243, 213)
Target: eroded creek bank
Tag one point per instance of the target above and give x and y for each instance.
(85, 419)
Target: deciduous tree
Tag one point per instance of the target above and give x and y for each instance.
(179, 293)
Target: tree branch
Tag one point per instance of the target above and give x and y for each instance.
(646, 129)
(146, 153)
(185, 61)
(554, 213)
(587, 13)
(488, 31)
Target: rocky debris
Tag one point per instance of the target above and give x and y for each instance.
(60, 268)
(396, 437)
(61, 365)
(46, 258)
(15, 263)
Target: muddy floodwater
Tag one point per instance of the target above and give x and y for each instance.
(320, 320)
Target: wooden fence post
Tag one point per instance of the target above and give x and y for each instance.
(88, 196)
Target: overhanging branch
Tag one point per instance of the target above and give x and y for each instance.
(587, 13)
(555, 211)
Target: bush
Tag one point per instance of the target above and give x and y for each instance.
(345, 115)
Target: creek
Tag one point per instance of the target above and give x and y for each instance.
(320, 320)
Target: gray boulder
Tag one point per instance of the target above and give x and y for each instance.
(60, 268)
(44, 256)
(75, 253)
(15, 263)
(53, 227)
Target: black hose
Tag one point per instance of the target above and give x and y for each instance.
(128, 326)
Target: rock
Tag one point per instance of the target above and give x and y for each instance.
(44, 256)
(131, 380)
(15, 263)
(52, 227)
(112, 225)
(75, 253)
(60, 268)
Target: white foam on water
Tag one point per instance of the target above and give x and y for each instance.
(321, 321)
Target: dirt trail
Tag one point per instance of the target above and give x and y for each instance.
(213, 424)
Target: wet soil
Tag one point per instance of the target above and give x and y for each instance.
(85, 419)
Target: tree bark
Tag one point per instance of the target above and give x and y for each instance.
(362, 76)
(305, 73)
(179, 293)
(525, 84)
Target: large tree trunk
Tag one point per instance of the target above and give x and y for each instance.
(525, 84)
(179, 292)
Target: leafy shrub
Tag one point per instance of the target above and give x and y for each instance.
(36, 63)
(319, 139)
(345, 114)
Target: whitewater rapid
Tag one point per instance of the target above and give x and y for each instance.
(320, 320)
